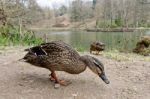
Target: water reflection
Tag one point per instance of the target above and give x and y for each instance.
(81, 40)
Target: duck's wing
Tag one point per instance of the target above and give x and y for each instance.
(56, 52)
(60, 49)
(61, 54)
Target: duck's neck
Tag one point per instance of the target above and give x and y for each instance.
(86, 60)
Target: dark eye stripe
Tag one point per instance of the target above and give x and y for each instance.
(98, 64)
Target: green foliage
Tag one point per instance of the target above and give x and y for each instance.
(76, 11)
(119, 22)
(94, 3)
(110, 24)
(79, 48)
(75, 15)
(12, 36)
(143, 24)
(63, 10)
(148, 25)
(106, 24)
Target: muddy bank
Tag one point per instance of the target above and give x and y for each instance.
(111, 30)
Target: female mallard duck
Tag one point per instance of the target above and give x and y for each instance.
(59, 56)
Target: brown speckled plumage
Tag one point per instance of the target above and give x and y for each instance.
(97, 46)
(59, 56)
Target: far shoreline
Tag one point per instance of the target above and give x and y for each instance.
(90, 29)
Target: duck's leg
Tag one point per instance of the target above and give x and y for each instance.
(61, 82)
(51, 77)
(97, 52)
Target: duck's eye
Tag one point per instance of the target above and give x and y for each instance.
(99, 73)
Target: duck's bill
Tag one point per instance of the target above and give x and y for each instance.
(104, 78)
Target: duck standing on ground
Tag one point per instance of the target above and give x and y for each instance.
(59, 56)
(97, 46)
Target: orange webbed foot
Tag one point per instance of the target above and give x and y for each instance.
(63, 82)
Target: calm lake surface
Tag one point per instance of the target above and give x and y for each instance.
(81, 40)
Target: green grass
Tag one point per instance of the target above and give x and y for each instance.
(10, 36)
(80, 49)
(121, 56)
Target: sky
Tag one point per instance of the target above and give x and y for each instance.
(54, 3)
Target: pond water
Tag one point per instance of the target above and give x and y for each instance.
(81, 40)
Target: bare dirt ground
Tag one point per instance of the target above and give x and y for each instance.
(18, 80)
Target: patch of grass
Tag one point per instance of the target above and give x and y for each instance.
(12, 36)
(116, 56)
(107, 24)
(119, 56)
(80, 48)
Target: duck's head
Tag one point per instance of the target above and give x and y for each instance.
(34, 55)
(30, 57)
(96, 66)
(98, 45)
